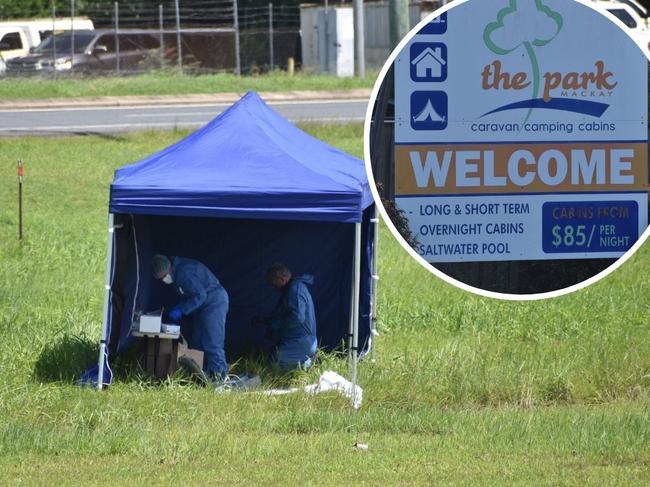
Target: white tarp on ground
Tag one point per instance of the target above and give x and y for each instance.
(329, 381)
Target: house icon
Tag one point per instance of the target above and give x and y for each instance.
(429, 63)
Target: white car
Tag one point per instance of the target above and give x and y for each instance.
(18, 37)
(635, 18)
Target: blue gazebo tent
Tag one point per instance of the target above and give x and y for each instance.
(244, 191)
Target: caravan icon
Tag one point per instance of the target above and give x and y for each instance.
(429, 110)
(428, 61)
(436, 26)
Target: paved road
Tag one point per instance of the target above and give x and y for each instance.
(88, 120)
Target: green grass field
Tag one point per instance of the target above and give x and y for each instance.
(465, 390)
(172, 84)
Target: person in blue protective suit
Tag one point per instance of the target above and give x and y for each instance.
(203, 297)
(293, 321)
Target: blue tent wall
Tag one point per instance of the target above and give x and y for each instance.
(239, 252)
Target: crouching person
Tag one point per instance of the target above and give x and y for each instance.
(293, 321)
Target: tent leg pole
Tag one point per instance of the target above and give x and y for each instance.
(107, 293)
(355, 308)
(374, 282)
(351, 323)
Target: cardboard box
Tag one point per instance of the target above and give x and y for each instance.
(192, 353)
(160, 357)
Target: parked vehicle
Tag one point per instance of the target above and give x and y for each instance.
(635, 18)
(639, 9)
(94, 51)
(17, 37)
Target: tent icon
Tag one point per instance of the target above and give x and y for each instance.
(429, 110)
(428, 113)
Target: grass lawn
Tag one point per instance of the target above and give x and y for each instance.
(172, 84)
(464, 390)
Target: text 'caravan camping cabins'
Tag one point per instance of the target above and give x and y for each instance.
(245, 191)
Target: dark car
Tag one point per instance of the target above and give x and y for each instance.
(94, 51)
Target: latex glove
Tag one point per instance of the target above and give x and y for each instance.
(175, 314)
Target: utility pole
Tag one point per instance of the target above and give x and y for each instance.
(327, 37)
(72, 49)
(359, 39)
(117, 38)
(235, 24)
(271, 57)
(161, 27)
(398, 20)
(53, 43)
(179, 45)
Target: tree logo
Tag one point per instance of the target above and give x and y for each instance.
(527, 25)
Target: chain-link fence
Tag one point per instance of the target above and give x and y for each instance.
(206, 36)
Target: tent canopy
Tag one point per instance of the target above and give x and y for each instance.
(249, 162)
(246, 190)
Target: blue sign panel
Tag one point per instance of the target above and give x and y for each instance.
(598, 226)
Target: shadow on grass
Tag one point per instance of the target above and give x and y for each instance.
(69, 355)
(64, 359)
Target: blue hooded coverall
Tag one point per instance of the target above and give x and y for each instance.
(293, 324)
(203, 296)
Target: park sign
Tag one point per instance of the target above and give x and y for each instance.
(521, 133)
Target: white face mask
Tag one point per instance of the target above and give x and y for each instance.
(167, 279)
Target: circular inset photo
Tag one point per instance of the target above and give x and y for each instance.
(508, 144)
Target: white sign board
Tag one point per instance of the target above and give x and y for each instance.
(521, 133)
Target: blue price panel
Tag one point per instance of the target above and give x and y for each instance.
(591, 226)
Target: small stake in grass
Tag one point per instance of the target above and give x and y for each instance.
(21, 175)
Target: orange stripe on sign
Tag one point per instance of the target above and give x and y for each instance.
(531, 168)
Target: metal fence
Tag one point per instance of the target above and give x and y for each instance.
(205, 37)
